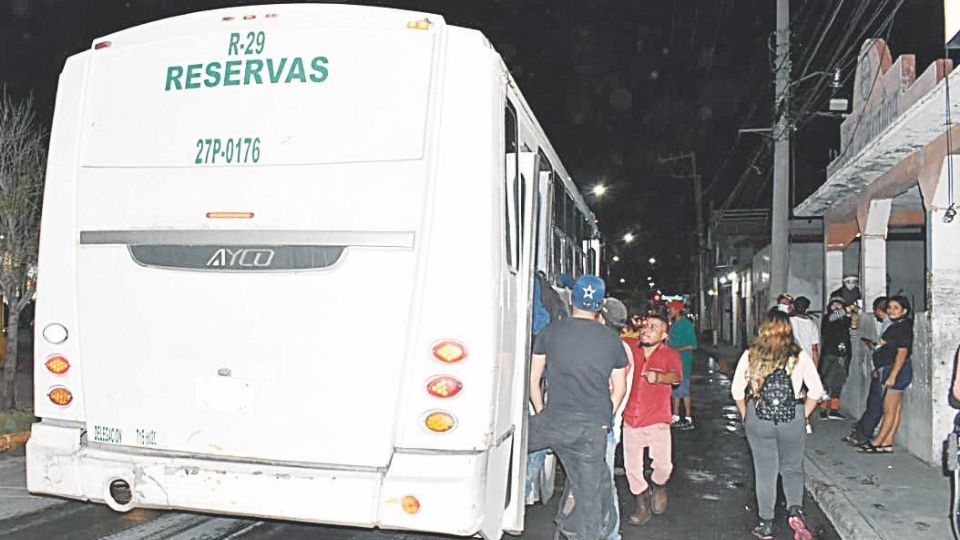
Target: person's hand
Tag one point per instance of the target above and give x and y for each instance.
(891, 380)
(651, 376)
(873, 374)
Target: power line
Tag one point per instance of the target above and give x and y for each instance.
(849, 57)
(876, 76)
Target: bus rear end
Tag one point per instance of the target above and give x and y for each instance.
(229, 273)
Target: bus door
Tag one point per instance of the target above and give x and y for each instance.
(513, 519)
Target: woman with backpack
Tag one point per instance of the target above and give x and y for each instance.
(767, 387)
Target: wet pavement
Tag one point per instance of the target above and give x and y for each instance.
(711, 498)
(711, 492)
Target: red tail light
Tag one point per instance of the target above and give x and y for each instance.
(449, 351)
(57, 365)
(444, 386)
(101, 45)
(60, 396)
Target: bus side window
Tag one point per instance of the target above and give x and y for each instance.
(511, 172)
(557, 252)
(544, 234)
(559, 202)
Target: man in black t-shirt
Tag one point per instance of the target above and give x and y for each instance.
(587, 365)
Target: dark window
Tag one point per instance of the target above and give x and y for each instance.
(510, 148)
(557, 252)
(559, 201)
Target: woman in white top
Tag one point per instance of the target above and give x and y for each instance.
(771, 374)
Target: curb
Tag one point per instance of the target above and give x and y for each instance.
(9, 441)
(839, 509)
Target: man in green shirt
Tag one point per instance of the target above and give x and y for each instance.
(683, 338)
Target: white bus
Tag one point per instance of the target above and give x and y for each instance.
(286, 268)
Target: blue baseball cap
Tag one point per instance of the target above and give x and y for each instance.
(587, 293)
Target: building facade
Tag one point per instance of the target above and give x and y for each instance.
(886, 209)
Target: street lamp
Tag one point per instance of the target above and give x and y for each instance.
(599, 190)
(629, 238)
(732, 276)
(616, 258)
(622, 280)
(652, 260)
(650, 278)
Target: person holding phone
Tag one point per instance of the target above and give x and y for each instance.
(894, 373)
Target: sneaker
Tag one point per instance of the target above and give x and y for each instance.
(834, 415)
(763, 530)
(674, 419)
(797, 523)
(686, 424)
(824, 414)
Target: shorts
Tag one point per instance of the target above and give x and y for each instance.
(682, 389)
(904, 378)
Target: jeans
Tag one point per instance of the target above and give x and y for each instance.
(581, 449)
(777, 450)
(611, 456)
(872, 415)
(534, 467)
(834, 373)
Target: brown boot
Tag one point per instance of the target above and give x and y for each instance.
(642, 513)
(658, 503)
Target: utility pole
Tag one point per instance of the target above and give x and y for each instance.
(698, 202)
(780, 230)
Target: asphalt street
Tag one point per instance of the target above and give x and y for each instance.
(711, 498)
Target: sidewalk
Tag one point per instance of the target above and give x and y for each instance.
(866, 496)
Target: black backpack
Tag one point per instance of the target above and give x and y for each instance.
(776, 401)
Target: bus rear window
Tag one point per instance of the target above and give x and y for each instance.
(294, 96)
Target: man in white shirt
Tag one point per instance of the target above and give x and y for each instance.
(805, 331)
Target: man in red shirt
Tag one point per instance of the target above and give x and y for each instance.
(647, 418)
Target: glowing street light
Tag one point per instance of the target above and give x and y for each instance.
(652, 260)
(652, 284)
(732, 276)
(723, 280)
(649, 278)
(622, 280)
(599, 189)
(616, 258)
(629, 238)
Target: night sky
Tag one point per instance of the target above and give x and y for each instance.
(615, 84)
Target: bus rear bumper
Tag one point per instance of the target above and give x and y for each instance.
(449, 487)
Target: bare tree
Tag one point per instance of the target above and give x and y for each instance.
(23, 151)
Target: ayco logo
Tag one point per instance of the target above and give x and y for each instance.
(242, 258)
